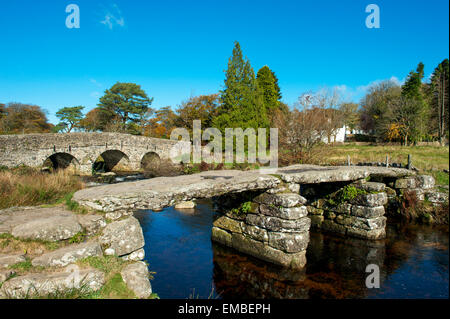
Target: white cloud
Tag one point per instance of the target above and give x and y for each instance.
(113, 17)
(95, 82)
(364, 88)
(356, 93)
(95, 94)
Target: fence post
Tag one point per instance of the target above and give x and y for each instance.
(348, 160)
(409, 161)
(387, 160)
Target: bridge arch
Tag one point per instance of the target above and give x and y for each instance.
(151, 161)
(111, 159)
(61, 161)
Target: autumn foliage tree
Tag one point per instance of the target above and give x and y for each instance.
(203, 108)
(18, 118)
(162, 124)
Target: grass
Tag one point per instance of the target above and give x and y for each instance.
(423, 157)
(115, 287)
(30, 187)
(11, 245)
(430, 160)
(440, 177)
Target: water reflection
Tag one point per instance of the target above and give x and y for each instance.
(413, 261)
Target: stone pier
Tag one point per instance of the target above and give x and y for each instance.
(275, 228)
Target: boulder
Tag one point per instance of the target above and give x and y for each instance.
(9, 260)
(278, 224)
(425, 181)
(42, 284)
(185, 205)
(228, 224)
(437, 197)
(294, 187)
(371, 200)
(123, 237)
(289, 242)
(67, 255)
(283, 199)
(409, 182)
(255, 232)
(135, 255)
(53, 228)
(284, 212)
(5, 274)
(372, 186)
(367, 212)
(265, 252)
(36, 223)
(369, 223)
(91, 223)
(221, 236)
(136, 278)
(379, 233)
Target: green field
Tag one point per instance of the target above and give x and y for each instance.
(431, 159)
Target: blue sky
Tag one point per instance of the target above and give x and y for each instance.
(176, 49)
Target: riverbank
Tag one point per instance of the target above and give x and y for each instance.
(52, 252)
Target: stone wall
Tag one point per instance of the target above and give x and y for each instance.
(33, 149)
(361, 217)
(275, 228)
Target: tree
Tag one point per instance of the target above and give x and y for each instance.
(439, 86)
(404, 112)
(162, 124)
(376, 115)
(203, 108)
(2, 110)
(23, 118)
(125, 103)
(350, 115)
(70, 117)
(413, 89)
(97, 120)
(268, 83)
(242, 103)
(324, 104)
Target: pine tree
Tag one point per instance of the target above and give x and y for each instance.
(242, 100)
(413, 90)
(267, 82)
(440, 98)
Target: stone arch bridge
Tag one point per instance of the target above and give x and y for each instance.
(81, 150)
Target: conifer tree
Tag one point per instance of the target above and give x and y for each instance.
(242, 103)
(419, 113)
(267, 82)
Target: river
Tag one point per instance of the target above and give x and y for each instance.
(413, 262)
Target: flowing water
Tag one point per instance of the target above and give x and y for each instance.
(413, 262)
